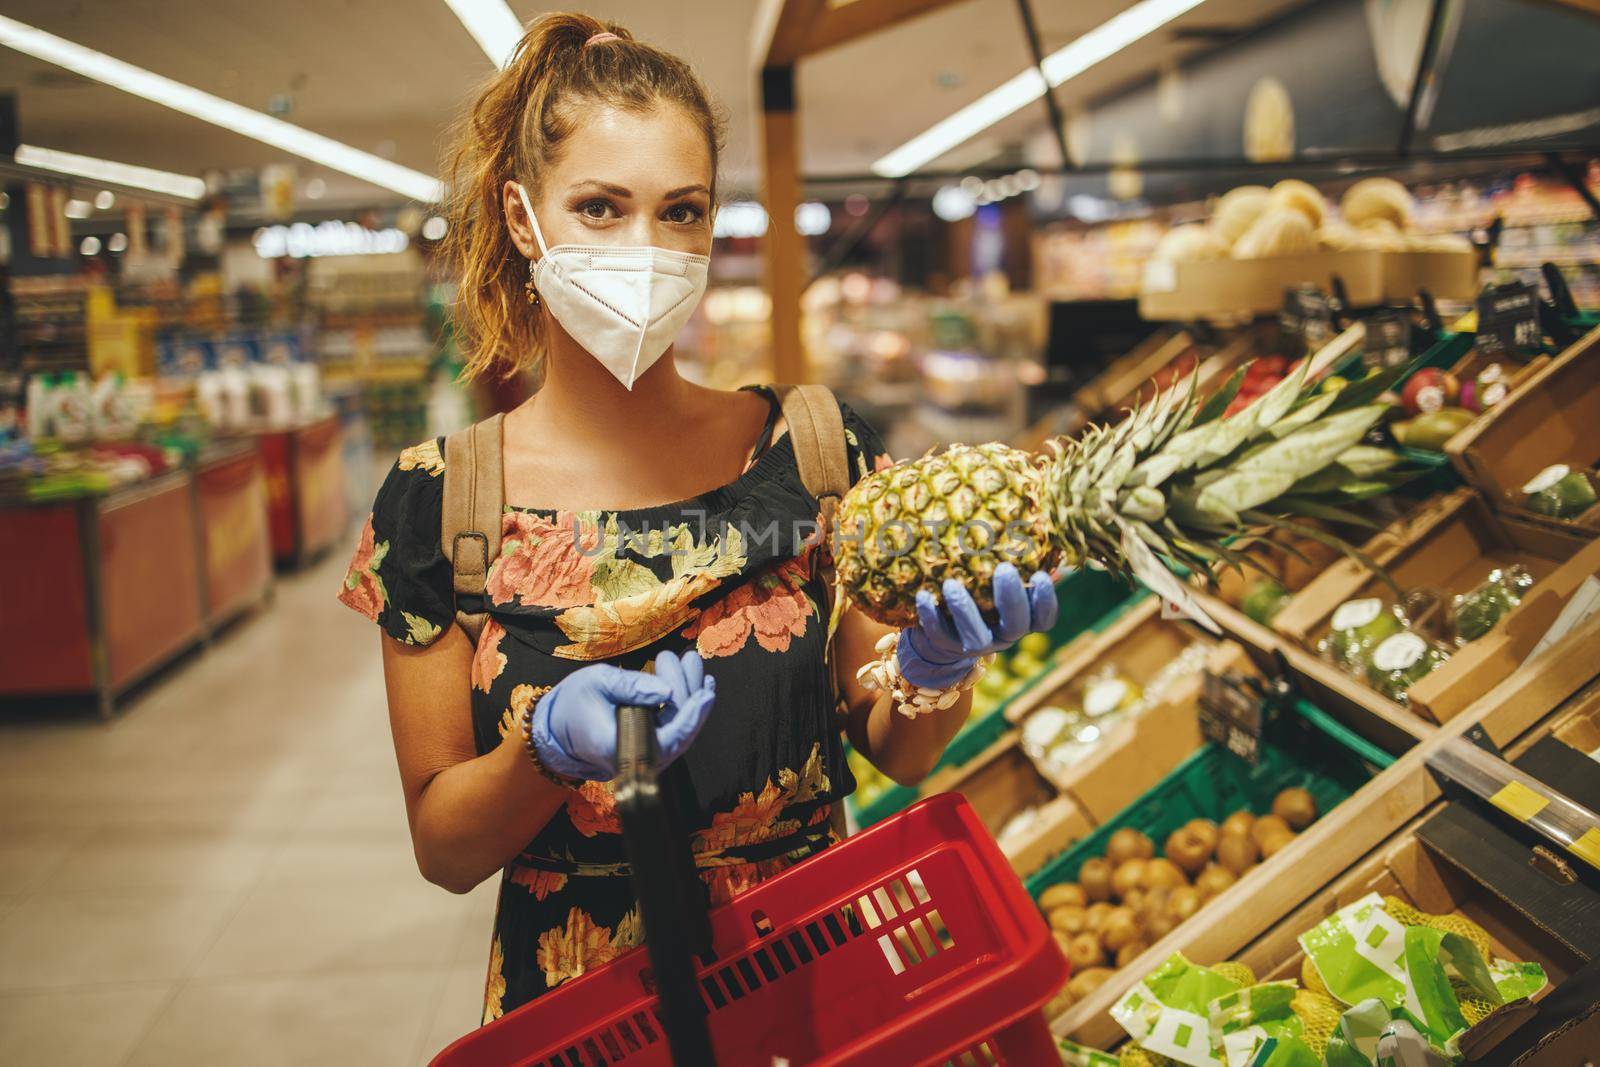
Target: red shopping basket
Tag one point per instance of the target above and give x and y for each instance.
(910, 943)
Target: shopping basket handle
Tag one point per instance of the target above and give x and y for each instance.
(671, 904)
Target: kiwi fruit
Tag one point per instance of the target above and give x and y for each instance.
(1154, 903)
(1159, 926)
(1206, 830)
(1267, 826)
(1084, 952)
(1060, 1002)
(1163, 874)
(1188, 848)
(1088, 980)
(1061, 894)
(1130, 952)
(1069, 919)
(1095, 917)
(1095, 878)
(1129, 844)
(1063, 940)
(1134, 898)
(1296, 807)
(1184, 902)
(1128, 875)
(1275, 843)
(1214, 879)
(1122, 926)
(1240, 822)
(1237, 852)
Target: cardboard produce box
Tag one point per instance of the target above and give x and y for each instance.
(1029, 817)
(1552, 416)
(1453, 550)
(1136, 751)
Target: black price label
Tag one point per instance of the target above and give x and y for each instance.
(1388, 342)
(1508, 320)
(1306, 322)
(1232, 711)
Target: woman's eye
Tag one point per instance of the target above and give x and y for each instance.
(683, 214)
(596, 209)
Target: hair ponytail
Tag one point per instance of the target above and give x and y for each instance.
(513, 130)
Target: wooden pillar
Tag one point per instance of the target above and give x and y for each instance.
(786, 257)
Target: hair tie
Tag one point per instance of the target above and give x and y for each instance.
(603, 35)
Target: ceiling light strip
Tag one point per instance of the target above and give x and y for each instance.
(230, 116)
(112, 173)
(492, 24)
(1105, 40)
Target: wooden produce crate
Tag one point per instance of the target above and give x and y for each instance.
(1451, 550)
(1229, 288)
(1161, 349)
(1139, 749)
(1211, 367)
(1552, 416)
(1357, 824)
(1002, 784)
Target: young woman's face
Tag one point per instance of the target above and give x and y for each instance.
(623, 178)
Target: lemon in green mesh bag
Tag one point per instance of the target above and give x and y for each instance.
(1423, 967)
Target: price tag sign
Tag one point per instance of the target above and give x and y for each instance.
(1232, 711)
(1508, 320)
(1306, 322)
(1388, 342)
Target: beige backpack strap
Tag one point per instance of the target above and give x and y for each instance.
(474, 499)
(816, 429)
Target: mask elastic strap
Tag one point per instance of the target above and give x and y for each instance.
(533, 220)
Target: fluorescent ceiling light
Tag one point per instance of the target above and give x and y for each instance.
(1106, 39)
(492, 24)
(220, 112)
(104, 170)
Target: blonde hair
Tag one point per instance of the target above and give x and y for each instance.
(513, 131)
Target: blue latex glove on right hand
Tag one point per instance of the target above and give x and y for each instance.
(938, 652)
(574, 727)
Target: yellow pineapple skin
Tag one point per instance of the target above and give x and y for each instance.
(955, 514)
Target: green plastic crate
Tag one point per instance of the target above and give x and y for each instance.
(1304, 747)
(1090, 601)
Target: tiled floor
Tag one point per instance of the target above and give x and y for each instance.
(222, 875)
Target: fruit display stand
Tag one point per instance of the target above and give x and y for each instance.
(1257, 920)
(1162, 348)
(1450, 553)
(99, 591)
(1090, 600)
(235, 542)
(305, 489)
(1551, 417)
(1363, 795)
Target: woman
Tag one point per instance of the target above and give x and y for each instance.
(628, 571)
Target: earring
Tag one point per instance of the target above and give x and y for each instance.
(533, 293)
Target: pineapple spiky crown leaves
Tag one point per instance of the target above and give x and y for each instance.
(1203, 488)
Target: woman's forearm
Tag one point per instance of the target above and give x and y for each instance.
(906, 749)
(474, 817)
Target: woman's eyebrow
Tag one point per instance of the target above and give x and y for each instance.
(685, 190)
(614, 190)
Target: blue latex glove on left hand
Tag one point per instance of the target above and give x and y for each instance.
(939, 651)
(574, 727)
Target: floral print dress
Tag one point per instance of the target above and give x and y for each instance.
(735, 574)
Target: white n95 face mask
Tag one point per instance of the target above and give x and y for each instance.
(625, 303)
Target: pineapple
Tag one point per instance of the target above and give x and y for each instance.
(958, 514)
(1176, 478)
